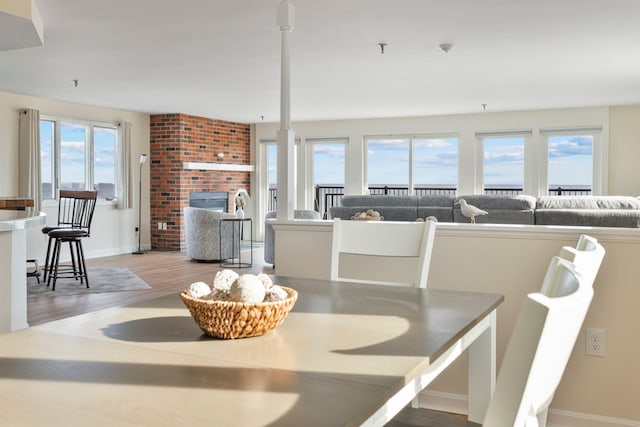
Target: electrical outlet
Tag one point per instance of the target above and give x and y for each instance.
(595, 342)
(164, 225)
(159, 226)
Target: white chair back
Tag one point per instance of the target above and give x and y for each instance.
(539, 349)
(586, 257)
(383, 239)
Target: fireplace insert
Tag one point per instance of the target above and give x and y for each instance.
(217, 200)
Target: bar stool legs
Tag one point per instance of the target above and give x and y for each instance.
(78, 268)
(36, 270)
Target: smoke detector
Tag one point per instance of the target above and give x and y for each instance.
(446, 47)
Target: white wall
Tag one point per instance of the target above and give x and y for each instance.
(113, 230)
(512, 260)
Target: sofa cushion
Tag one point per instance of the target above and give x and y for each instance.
(588, 202)
(589, 217)
(438, 205)
(436, 200)
(501, 209)
(487, 202)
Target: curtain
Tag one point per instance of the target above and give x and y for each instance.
(29, 170)
(123, 179)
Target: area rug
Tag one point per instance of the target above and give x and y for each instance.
(100, 280)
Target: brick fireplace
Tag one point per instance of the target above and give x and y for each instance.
(179, 138)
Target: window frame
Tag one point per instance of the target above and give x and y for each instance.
(529, 162)
(89, 155)
(598, 169)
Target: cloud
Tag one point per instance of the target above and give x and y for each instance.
(72, 145)
(331, 150)
(570, 146)
(434, 143)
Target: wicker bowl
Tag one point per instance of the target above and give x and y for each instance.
(230, 319)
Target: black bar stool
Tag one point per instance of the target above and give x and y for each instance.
(83, 208)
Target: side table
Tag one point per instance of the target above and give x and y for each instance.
(236, 239)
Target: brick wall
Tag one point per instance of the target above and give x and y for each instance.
(178, 138)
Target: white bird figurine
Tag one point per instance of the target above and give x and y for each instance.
(470, 211)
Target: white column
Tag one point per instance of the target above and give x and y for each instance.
(286, 188)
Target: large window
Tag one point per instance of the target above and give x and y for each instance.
(435, 164)
(570, 163)
(412, 165)
(78, 155)
(503, 165)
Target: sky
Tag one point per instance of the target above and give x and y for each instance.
(435, 161)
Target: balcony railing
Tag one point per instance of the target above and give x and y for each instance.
(328, 196)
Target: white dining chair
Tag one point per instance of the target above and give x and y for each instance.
(384, 240)
(587, 258)
(538, 351)
(540, 345)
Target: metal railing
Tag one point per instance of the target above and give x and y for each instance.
(271, 199)
(328, 196)
(575, 191)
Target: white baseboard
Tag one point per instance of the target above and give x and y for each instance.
(457, 404)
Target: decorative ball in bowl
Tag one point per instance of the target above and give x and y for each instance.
(232, 311)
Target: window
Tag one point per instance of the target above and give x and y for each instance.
(435, 165)
(570, 164)
(388, 165)
(503, 165)
(328, 170)
(272, 174)
(412, 165)
(78, 155)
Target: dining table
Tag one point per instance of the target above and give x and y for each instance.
(348, 354)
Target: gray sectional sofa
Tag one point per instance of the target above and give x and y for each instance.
(594, 211)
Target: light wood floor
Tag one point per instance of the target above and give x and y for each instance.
(170, 273)
(166, 273)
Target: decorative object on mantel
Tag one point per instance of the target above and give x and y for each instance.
(243, 203)
(369, 215)
(470, 211)
(238, 306)
(239, 201)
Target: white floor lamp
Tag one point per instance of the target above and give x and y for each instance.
(143, 159)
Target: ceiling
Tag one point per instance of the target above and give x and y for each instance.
(221, 58)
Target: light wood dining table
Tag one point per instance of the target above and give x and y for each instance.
(348, 354)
